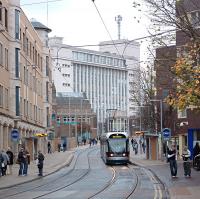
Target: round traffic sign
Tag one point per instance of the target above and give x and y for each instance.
(15, 135)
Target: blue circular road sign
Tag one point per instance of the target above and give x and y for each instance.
(15, 135)
(166, 133)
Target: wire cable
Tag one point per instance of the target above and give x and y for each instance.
(51, 1)
(105, 26)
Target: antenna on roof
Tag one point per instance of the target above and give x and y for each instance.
(118, 19)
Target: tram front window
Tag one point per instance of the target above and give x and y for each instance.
(117, 145)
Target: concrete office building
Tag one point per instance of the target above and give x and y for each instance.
(25, 79)
(102, 75)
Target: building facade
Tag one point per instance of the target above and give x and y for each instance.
(184, 124)
(102, 75)
(24, 85)
(73, 119)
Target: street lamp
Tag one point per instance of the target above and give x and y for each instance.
(82, 115)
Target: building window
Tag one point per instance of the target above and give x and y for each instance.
(47, 91)
(6, 98)
(165, 93)
(48, 117)
(66, 84)
(17, 32)
(1, 96)
(17, 62)
(47, 66)
(0, 11)
(195, 17)
(182, 113)
(1, 54)
(58, 120)
(17, 100)
(6, 18)
(6, 58)
(65, 119)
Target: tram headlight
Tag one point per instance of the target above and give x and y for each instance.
(111, 154)
(124, 154)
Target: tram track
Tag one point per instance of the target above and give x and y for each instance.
(113, 181)
(69, 184)
(54, 180)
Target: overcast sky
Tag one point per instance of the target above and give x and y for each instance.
(79, 23)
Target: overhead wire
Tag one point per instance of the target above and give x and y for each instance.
(123, 42)
(29, 4)
(105, 26)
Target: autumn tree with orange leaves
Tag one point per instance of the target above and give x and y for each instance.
(187, 71)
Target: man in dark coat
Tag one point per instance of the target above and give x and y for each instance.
(172, 160)
(22, 162)
(40, 163)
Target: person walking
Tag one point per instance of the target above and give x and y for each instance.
(49, 147)
(11, 157)
(4, 163)
(27, 162)
(186, 162)
(59, 147)
(196, 151)
(1, 163)
(64, 146)
(40, 163)
(172, 160)
(22, 161)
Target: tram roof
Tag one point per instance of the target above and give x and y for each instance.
(107, 134)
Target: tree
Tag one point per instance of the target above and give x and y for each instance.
(146, 108)
(187, 71)
(179, 18)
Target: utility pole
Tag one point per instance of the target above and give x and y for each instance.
(118, 19)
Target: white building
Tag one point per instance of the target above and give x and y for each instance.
(102, 75)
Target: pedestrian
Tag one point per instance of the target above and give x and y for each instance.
(4, 163)
(22, 161)
(11, 158)
(1, 163)
(90, 142)
(49, 147)
(186, 162)
(196, 151)
(64, 146)
(59, 147)
(40, 163)
(143, 145)
(27, 162)
(172, 160)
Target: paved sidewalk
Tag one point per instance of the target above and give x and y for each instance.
(52, 163)
(179, 188)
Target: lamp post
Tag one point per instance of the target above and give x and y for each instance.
(82, 116)
(161, 123)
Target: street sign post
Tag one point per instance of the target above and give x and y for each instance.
(166, 134)
(15, 135)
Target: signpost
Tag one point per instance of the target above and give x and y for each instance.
(166, 134)
(15, 135)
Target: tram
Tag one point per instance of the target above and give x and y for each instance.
(114, 147)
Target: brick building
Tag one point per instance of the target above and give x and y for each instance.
(185, 124)
(73, 119)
